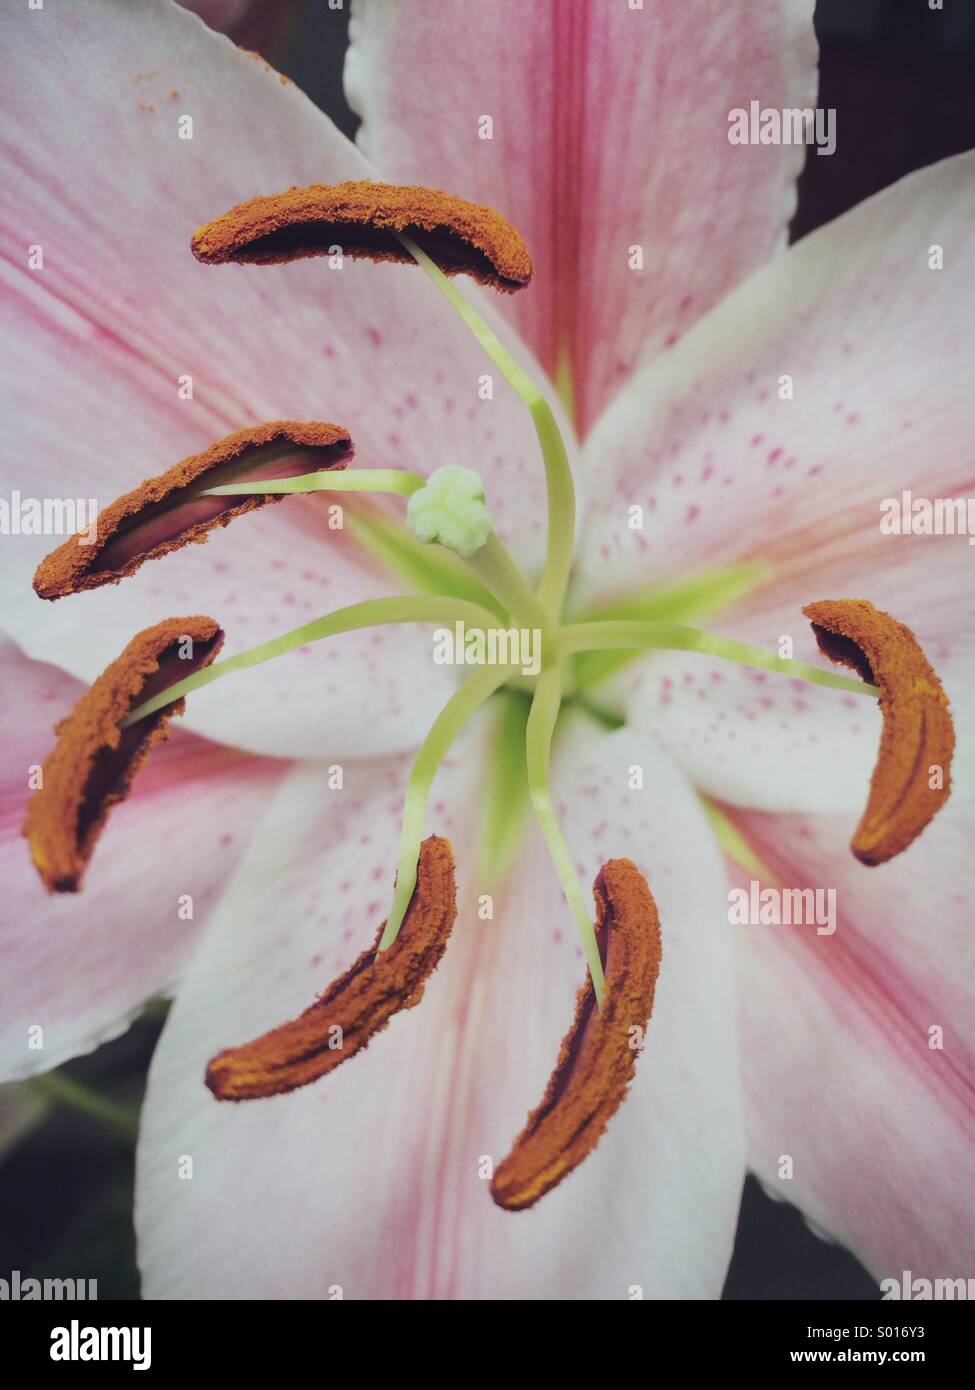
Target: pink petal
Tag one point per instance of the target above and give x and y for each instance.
(80, 966)
(99, 339)
(370, 1179)
(726, 472)
(594, 110)
(837, 1065)
(755, 738)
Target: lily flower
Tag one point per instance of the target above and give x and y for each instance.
(342, 808)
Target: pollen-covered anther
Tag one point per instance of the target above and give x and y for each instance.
(361, 219)
(94, 761)
(912, 777)
(357, 1005)
(168, 511)
(598, 1055)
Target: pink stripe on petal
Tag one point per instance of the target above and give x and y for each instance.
(840, 1033)
(575, 122)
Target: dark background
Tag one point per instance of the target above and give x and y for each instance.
(901, 79)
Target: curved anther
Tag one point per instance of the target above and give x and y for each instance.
(94, 761)
(364, 220)
(357, 1005)
(169, 511)
(598, 1054)
(912, 777)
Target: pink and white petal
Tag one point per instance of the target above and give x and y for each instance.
(370, 1181)
(728, 473)
(840, 1060)
(79, 966)
(101, 339)
(594, 108)
(753, 738)
(775, 744)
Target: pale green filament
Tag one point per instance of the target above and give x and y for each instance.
(692, 600)
(445, 728)
(538, 749)
(613, 636)
(410, 608)
(558, 474)
(397, 480)
(505, 793)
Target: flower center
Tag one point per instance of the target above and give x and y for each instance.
(466, 577)
(448, 511)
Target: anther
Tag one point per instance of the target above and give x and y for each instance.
(93, 763)
(357, 1005)
(168, 511)
(598, 1055)
(912, 776)
(362, 220)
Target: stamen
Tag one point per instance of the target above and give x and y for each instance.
(625, 635)
(456, 713)
(94, 761)
(598, 1054)
(373, 612)
(918, 737)
(357, 1005)
(173, 509)
(362, 219)
(398, 481)
(542, 718)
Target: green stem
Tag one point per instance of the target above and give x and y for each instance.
(411, 608)
(397, 480)
(495, 567)
(445, 728)
(538, 750)
(631, 636)
(64, 1089)
(558, 474)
